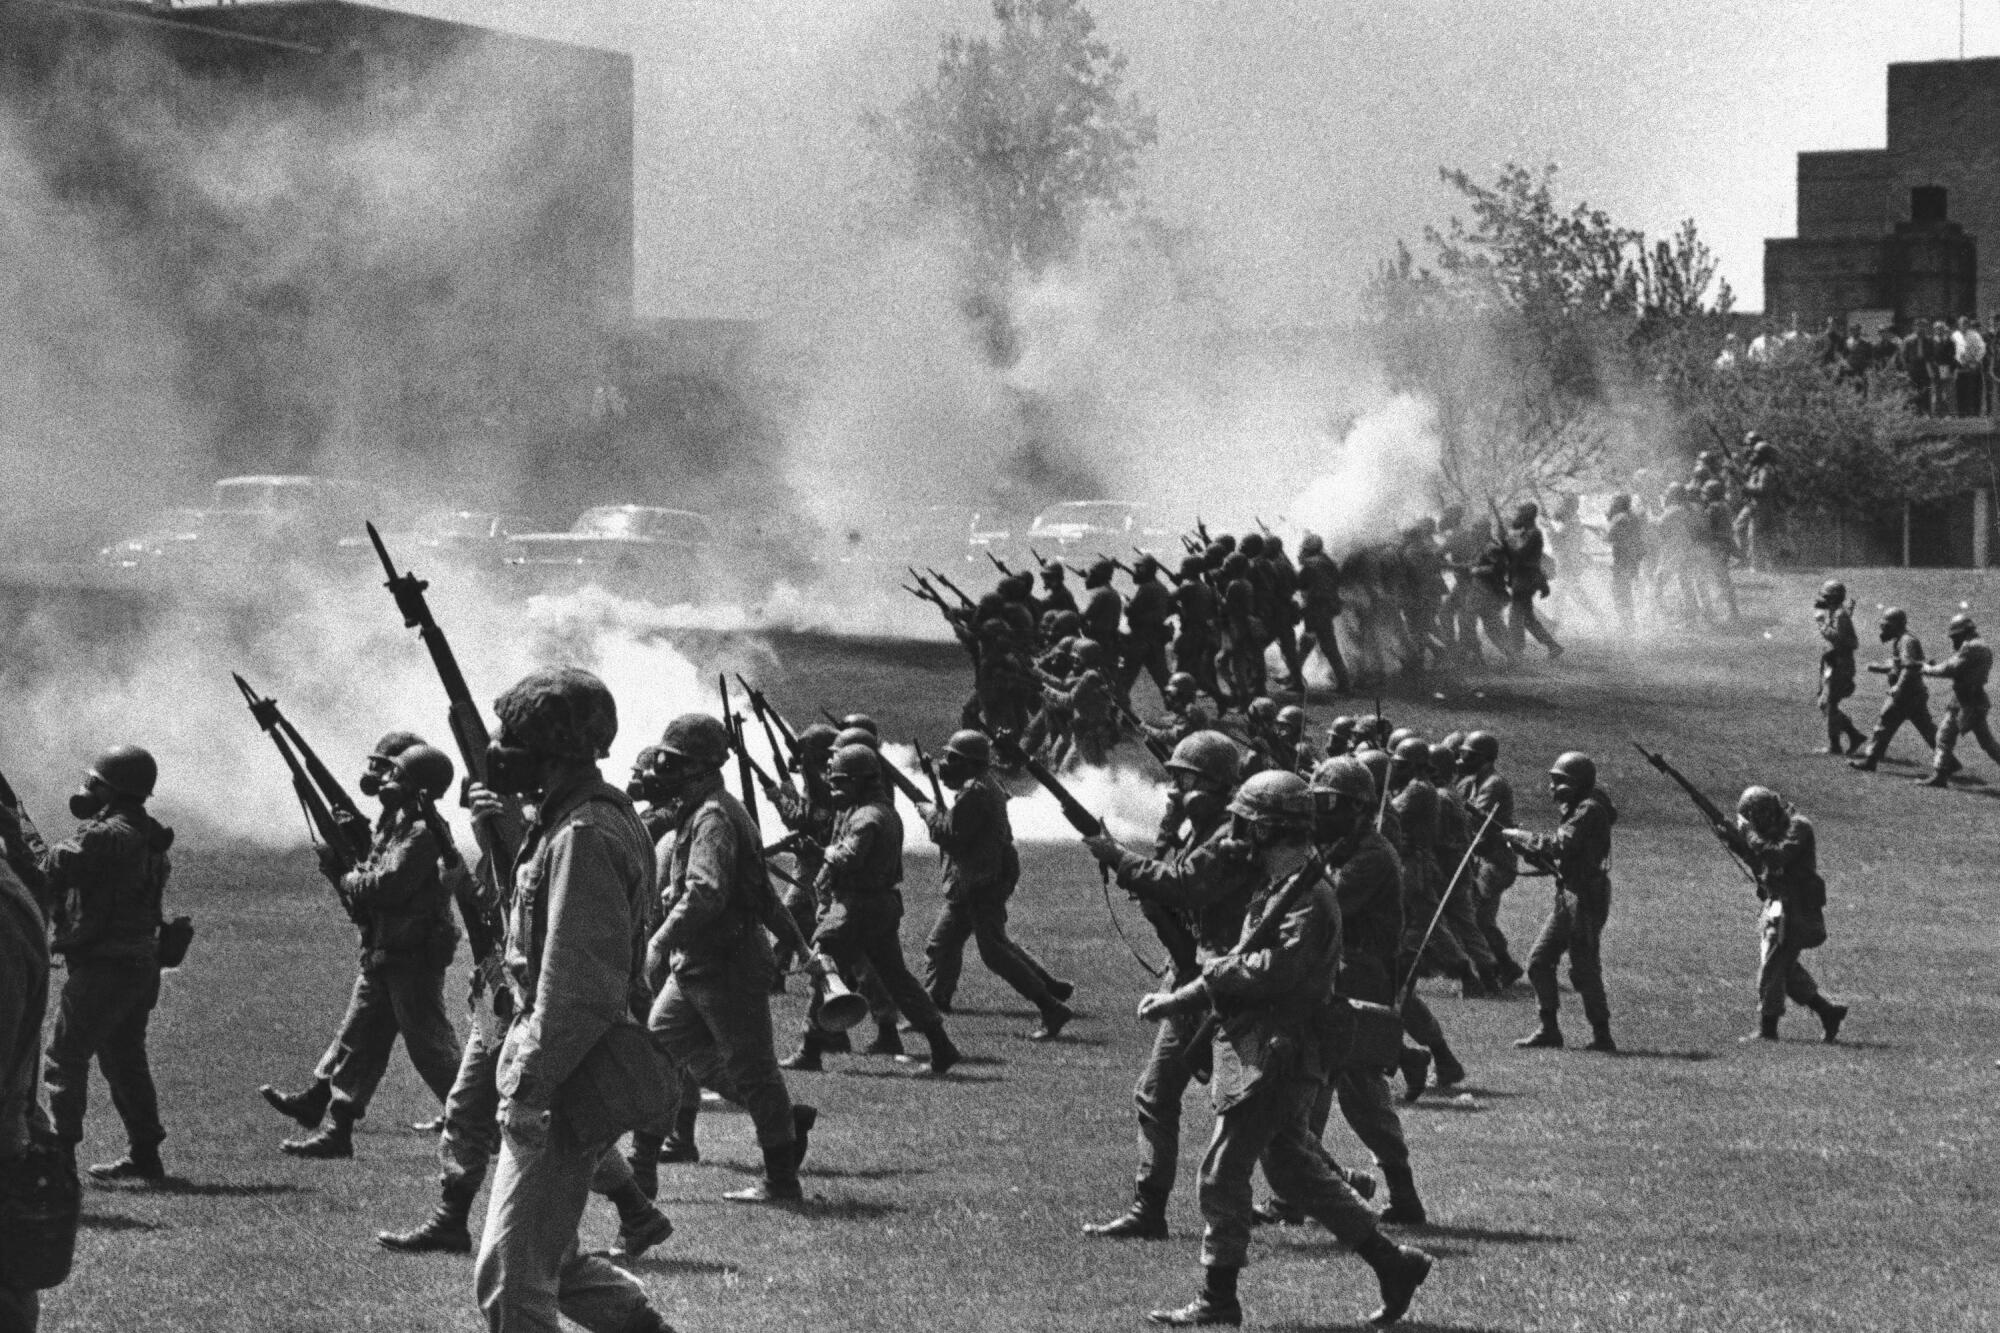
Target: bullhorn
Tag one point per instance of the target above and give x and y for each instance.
(838, 1007)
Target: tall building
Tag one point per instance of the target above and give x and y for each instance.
(1909, 231)
(370, 235)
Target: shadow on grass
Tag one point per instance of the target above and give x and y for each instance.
(223, 1189)
(918, 1075)
(663, 1264)
(1489, 1235)
(1655, 1053)
(831, 1173)
(1406, 1325)
(113, 1222)
(845, 1210)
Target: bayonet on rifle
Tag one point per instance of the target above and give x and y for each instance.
(1719, 824)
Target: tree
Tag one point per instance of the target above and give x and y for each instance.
(1020, 138)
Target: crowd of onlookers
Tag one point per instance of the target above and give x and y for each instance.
(1947, 371)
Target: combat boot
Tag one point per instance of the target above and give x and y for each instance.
(943, 1053)
(1471, 985)
(1934, 780)
(1146, 1219)
(1865, 764)
(804, 1119)
(446, 1230)
(1054, 1020)
(1831, 1016)
(644, 1163)
(1399, 1271)
(1405, 1208)
(1549, 1035)
(140, 1163)
(1359, 1181)
(1274, 1213)
(1600, 1039)
(1767, 1029)
(781, 1179)
(1415, 1066)
(1509, 972)
(679, 1146)
(887, 1040)
(1217, 1303)
(805, 1060)
(1450, 1073)
(1062, 990)
(308, 1107)
(333, 1142)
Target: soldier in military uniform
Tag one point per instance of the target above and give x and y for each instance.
(1270, 994)
(1190, 714)
(981, 870)
(1319, 607)
(861, 907)
(105, 882)
(1414, 802)
(1194, 894)
(398, 897)
(24, 1002)
(1579, 855)
(712, 957)
(574, 961)
(1908, 700)
(1149, 629)
(1494, 863)
(1056, 595)
(1455, 832)
(1197, 636)
(1103, 609)
(1527, 579)
(1968, 667)
(806, 809)
(1784, 854)
(1755, 525)
(1836, 665)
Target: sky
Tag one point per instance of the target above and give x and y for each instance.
(1302, 139)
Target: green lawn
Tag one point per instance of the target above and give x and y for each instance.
(1691, 1183)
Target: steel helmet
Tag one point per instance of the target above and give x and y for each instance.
(1376, 762)
(1398, 736)
(1344, 777)
(974, 747)
(1761, 806)
(1192, 567)
(854, 736)
(863, 721)
(394, 743)
(564, 712)
(1831, 593)
(698, 739)
(1483, 746)
(855, 764)
(1292, 718)
(1273, 797)
(1262, 710)
(1052, 573)
(1089, 653)
(1181, 683)
(1413, 752)
(1444, 760)
(127, 770)
(1576, 769)
(1961, 627)
(1252, 545)
(1145, 567)
(427, 769)
(1895, 620)
(817, 738)
(1312, 544)
(1453, 740)
(1210, 756)
(1099, 573)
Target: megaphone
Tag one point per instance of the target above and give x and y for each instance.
(837, 1007)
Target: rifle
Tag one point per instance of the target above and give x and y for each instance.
(746, 767)
(1410, 982)
(769, 717)
(930, 771)
(1201, 530)
(1156, 747)
(1000, 565)
(1725, 831)
(953, 589)
(1258, 935)
(344, 835)
(1090, 826)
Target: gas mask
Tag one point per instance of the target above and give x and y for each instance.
(89, 800)
(512, 770)
(370, 782)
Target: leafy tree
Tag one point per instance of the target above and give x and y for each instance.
(1020, 137)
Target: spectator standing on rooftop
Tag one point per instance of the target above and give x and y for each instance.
(1944, 370)
(1915, 359)
(1970, 350)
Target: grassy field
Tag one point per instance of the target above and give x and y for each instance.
(1690, 1183)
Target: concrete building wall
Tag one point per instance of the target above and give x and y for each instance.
(1843, 195)
(1944, 129)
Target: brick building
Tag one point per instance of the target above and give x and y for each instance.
(1910, 230)
(365, 232)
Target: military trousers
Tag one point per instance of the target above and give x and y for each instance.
(1320, 635)
(402, 997)
(1157, 1096)
(1271, 1128)
(102, 1015)
(1781, 974)
(1461, 921)
(1523, 624)
(718, 1030)
(1490, 881)
(1836, 686)
(1895, 712)
(982, 918)
(1622, 577)
(867, 928)
(1574, 927)
(1960, 720)
(530, 1274)
(1143, 655)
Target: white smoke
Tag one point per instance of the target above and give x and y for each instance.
(1383, 475)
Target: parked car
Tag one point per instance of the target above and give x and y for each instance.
(640, 549)
(171, 536)
(254, 518)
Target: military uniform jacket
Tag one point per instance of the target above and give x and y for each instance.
(1836, 631)
(1319, 585)
(1967, 670)
(1581, 849)
(1270, 1002)
(1206, 884)
(1149, 612)
(1454, 833)
(1906, 671)
(808, 814)
(399, 896)
(105, 883)
(1101, 613)
(1057, 597)
(1487, 793)
(1626, 535)
(1415, 806)
(977, 840)
(24, 1002)
(865, 857)
(575, 933)
(1194, 603)
(1788, 868)
(1368, 886)
(717, 895)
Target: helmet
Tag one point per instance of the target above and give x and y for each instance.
(1526, 514)
(127, 770)
(973, 747)
(1345, 776)
(1894, 621)
(1292, 718)
(854, 736)
(697, 738)
(426, 768)
(863, 721)
(1341, 726)
(1226, 542)
(1100, 572)
(1017, 587)
(1235, 566)
(1453, 740)
(1376, 762)
(1482, 745)
(1444, 759)
(1760, 805)
(1576, 769)
(1711, 490)
(394, 743)
(1262, 710)
(1414, 752)
(818, 738)
(1252, 545)
(1052, 574)
(1179, 684)
(1961, 627)
(1210, 756)
(1831, 593)
(1313, 544)
(1089, 653)
(1192, 566)
(1145, 567)
(1764, 449)
(1274, 544)
(1398, 736)
(856, 764)
(1273, 798)
(563, 712)
(1067, 624)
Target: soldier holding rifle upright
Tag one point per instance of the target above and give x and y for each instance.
(1781, 848)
